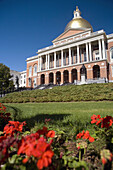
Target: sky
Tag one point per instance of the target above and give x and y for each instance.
(29, 25)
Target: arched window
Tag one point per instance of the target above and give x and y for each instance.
(30, 71)
(35, 70)
(111, 53)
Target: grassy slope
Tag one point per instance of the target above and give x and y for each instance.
(66, 116)
(92, 92)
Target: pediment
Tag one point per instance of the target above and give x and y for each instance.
(68, 34)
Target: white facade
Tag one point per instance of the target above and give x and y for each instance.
(21, 78)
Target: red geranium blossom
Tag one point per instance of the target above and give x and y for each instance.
(85, 135)
(105, 122)
(96, 119)
(2, 107)
(47, 133)
(13, 127)
(36, 145)
(79, 135)
(32, 145)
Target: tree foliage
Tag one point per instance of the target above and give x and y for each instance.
(5, 77)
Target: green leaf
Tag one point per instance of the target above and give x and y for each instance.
(112, 140)
(12, 159)
(3, 167)
(22, 167)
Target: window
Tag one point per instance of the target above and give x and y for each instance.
(34, 82)
(85, 59)
(76, 58)
(30, 71)
(97, 55)
(24, 76)
(35, 70)
(112, 71)
(111, 53)
(30, 82)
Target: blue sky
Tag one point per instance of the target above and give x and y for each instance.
(29, 25)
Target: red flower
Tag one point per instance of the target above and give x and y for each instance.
(13, 127)
(25, 160)
(51, 134)
(80, 135)
(85, 135)
(45, 160)
(2, 107)
(96, 119)
(38, 147)
(45, 132)
(104, 160)
(91, 139)
(107, 122)
(42, 131)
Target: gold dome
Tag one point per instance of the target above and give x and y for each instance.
(78, 22)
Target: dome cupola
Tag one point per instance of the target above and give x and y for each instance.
(78, 22)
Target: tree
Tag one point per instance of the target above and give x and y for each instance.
(5, 77)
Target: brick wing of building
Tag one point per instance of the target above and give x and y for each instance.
(77, 48)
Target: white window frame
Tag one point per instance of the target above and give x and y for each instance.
(111, 53)
(35, 70)
(112, 70)
(30, 71)
(97, 56)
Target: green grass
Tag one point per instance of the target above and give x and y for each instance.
(91, 92)
(70, 117)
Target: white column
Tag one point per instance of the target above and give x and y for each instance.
(100, 49)
(90, 51)
(48, 60)
(78, 55)
(58, 60)
(87, 55)
(103, 49)
(73, 56)
(38, 64)
(54, 59)
(69, 56)
(62, 58)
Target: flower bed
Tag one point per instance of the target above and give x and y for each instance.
(47, 149)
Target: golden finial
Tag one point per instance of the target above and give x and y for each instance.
(77, 8)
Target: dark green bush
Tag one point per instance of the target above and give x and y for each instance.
(90, 92)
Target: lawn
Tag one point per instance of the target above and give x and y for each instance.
(69, 116)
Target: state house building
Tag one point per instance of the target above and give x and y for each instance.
(78, 46)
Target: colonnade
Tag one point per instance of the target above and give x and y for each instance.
(89, 55)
